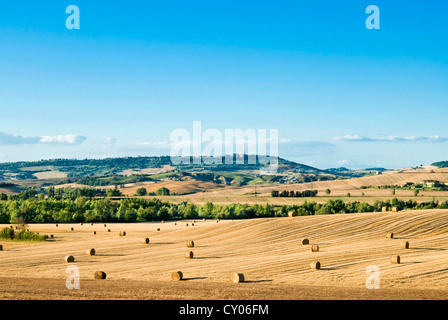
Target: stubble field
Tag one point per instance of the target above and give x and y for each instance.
(267, 251)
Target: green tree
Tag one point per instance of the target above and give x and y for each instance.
(141, 192)
(163, 192)
(207, 209)
(163, 213)
(113, 192)
(325, 209)
(191, 211)
(328, 191)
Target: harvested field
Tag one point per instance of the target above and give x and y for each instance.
(267, 251)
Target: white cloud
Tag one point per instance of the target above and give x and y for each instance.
(110, 141)
(358, 138)
(63, 139)
(16, 139)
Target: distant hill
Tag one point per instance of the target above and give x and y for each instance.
(237, 171)
(440, 164)
(79, 168)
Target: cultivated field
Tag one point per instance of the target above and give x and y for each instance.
(267, 251)
(199, 192)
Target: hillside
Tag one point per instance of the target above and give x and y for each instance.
(120, 171)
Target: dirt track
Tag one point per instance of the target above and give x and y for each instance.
(268, 251)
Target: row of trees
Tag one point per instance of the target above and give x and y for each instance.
(159, 192)
(297, 194)
(84, 209)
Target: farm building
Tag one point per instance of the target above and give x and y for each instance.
(430, 183)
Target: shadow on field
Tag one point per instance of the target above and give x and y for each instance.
(435, 249)
(256, 281)
(161, 243)
(207, 258)
(109, 255)
(195, 278)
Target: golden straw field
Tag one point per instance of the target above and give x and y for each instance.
(267, 251)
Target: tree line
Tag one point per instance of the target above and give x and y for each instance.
(292, 193)
(85, 209)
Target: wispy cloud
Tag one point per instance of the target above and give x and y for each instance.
(16, 139)
(358, 138)
(293, 148)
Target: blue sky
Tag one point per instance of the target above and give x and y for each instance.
(338, 93)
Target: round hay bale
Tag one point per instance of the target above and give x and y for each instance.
(237, 277)
(390, 235)
(1, 247)
(90, 252)
(383, 209)
(305, 241)
(81, 224)
(176, 276)
(11, 227)
(315, 265)
(190, 244)
(51, 236)
(108, 230)
(122, 233)
(292, 214)
(175, 223)
(45, 236)
(145, 241)
(71, 229)
(57, 225)
(189, 255)
(395, 259)
(203, 219)
(314, 248)
(94, 232)
(186, 224)
(394, 209)
(192, 224)
(100, 275)
(69, 259)
(163, 221)
(405, 245)
(104, 224)
(91, 223)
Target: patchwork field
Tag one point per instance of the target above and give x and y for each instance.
(199, 192)
(267, 251)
